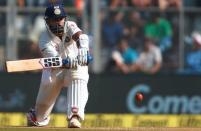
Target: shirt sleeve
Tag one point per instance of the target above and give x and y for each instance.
(46, 46)
(140, 59)
(72, 28)
(117, 57)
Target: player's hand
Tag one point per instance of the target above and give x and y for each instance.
(83, 48)
(70, 63)
(82, 56)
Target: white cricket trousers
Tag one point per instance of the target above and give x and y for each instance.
(53, 81)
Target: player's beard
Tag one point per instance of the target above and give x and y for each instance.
(57, 30)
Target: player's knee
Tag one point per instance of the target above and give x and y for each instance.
(81, 73)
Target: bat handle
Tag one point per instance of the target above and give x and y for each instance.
(89, 60)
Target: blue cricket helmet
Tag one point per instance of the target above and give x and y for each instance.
(55, 12)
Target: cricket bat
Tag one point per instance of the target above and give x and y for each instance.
(34, 64)
(38, 64)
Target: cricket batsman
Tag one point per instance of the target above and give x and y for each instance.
(62, 38)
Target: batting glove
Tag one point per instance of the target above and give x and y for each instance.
(70, 63)
(83, 49)
(82, 56)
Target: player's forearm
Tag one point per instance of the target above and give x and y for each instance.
(76, 36)
(156, 68)
(81, 40)
(135, 67)
(122, 67)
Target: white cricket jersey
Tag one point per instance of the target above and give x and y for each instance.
(148, 59)
(51, 45)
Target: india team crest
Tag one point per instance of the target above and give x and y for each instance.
(57, 11)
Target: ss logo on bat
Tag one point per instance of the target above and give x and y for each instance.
(51, 62)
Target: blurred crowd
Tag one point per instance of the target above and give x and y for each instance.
(148, 42)
(140, 40)
(133, 39)
(162, 4)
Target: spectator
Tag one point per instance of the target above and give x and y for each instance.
(164, 4)
(112, 29)
(141, 3)
(134, 29)
(113, 4)
(123, 57)
(159, 29)
(21, 3)
(134, 18)
(150, 59)
(193, 58)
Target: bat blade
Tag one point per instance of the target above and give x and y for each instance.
(23, 65)
(33, 64)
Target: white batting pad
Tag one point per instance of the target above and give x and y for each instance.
(77, 96)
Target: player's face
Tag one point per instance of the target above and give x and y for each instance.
(57, 26)
(123, 45)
